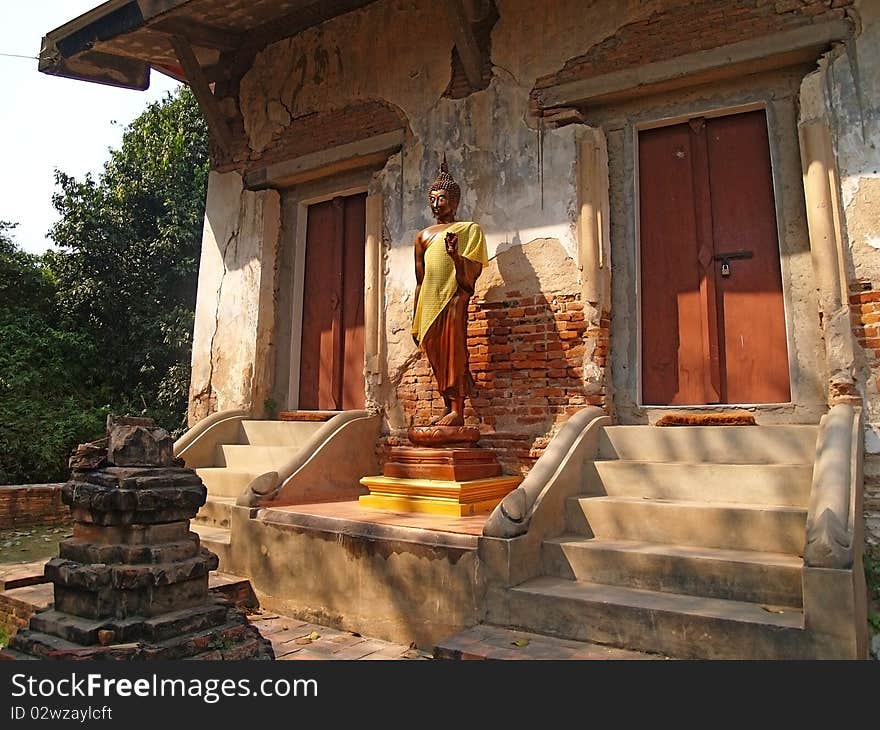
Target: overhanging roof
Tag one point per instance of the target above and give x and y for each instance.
(120, 41)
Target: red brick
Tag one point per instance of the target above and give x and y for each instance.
(865, 297)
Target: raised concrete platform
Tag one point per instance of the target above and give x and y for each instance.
(402, 577)
(17, 575)
(361, 520)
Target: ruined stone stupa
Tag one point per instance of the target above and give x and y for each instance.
(132, 582)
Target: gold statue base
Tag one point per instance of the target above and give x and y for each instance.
(436, 496)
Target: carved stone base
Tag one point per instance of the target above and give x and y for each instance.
(211, 631)
(439, 497)
(450, 464)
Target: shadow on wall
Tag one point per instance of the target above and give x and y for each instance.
(526, 340)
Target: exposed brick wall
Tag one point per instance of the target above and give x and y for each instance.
(687, 26)
(14, 615)
(19, 604)
(527, 356)
(864, 303)
(865, 309)
(32, 504)
(323, 130)
(459, 86)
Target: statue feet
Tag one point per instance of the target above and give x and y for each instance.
(453, 418)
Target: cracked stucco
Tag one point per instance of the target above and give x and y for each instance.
(845, 94)
(519, 183)
(234, 313)
(493, 148)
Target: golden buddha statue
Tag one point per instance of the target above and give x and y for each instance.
(449, 256)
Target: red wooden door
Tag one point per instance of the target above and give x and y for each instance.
(713, 319)
(332, 348)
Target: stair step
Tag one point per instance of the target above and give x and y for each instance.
(771, 484)
(485, 641)
(216, 539)
(732, 526)
(667, 623)
(223, 482)
(784, 444)
(257, 459)
(741, 575)
(278, 433)
(215, 512)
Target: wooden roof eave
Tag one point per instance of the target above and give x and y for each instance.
(143, 32)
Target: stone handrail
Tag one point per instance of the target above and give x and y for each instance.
(834, 494)
(327, 466)
(197, 446)
(556, 475)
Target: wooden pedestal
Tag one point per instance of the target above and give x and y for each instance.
(436, 496)
(451, 464)
(444, 481)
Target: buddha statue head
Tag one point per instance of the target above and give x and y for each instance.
(444, 195)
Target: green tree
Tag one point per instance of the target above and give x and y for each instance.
(46, 391)
(104, 324)
(127, 269)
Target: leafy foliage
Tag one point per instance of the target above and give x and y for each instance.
(872, 579)
(128, 271)
(872, 570)
(44, 373)
(104, 324)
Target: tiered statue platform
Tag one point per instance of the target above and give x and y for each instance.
(443, 474)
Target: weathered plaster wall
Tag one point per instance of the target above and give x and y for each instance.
(850, 86)
(518, 182)
(234, 320)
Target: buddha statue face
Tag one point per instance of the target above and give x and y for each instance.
(442, 206)
(444, 195)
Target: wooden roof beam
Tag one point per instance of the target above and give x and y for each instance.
(466, 43)
(201, 89)
(305, 14)
(200, 34)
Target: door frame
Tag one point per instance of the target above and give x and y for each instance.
(708, 112)
(299, 273)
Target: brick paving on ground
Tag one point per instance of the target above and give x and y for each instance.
(295, 640)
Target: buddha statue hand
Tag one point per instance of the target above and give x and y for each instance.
(452, 245)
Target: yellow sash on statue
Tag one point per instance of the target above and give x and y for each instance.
(438, 284)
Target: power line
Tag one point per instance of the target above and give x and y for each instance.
(17, 55)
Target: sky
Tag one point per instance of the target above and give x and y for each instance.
(48, 122)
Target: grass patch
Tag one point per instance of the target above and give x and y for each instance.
(28, 544)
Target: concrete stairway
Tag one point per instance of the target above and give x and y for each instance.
(259, 447)
(686, 541)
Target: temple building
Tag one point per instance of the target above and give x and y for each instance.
(674, 343)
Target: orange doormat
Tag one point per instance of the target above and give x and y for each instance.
(307, 415)
(736, 418)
